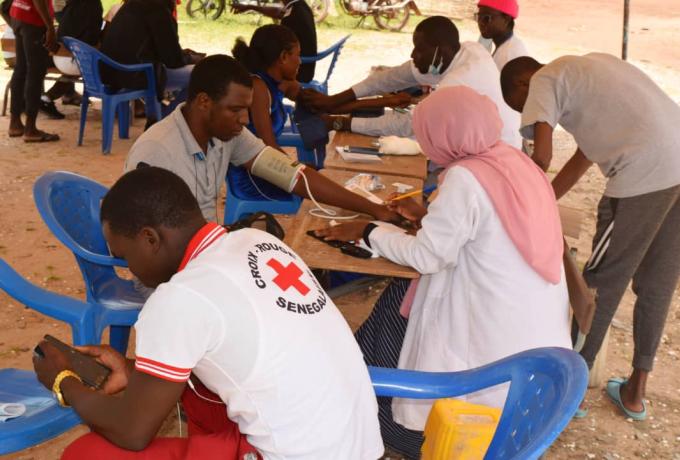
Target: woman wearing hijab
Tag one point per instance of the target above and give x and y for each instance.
(489, 251)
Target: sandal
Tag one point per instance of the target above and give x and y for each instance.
(15, 133)
(614, 392)
(42, 137)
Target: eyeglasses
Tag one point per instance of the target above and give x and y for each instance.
(484, 18)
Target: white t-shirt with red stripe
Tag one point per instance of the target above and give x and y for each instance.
(248, 318)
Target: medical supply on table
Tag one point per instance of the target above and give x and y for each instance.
(394, 145)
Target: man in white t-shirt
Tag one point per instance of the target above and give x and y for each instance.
(438, 60)
(625, 123)
(496, 22)
(239, 318)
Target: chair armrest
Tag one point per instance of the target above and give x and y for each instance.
(72, 311)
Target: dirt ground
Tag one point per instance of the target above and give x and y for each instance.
(550, 29)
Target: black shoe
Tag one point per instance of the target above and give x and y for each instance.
(49, 109)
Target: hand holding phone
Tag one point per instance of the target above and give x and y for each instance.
(92, 373)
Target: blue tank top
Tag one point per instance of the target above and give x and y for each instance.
(242, 184)
(277, 111)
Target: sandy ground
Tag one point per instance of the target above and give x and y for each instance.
(550, 29)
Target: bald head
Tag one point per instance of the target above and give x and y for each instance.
(515, 79)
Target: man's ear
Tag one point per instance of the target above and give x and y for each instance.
(150, 238)
(203, 101)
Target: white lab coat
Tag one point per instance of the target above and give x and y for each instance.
(472, 66)
(509, 50)
(477, 301)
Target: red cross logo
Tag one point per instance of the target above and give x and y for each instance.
(288, 276)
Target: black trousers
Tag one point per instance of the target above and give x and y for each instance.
(30, 68)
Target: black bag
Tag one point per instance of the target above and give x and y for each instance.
(260, 220)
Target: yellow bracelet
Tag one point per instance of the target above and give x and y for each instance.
(56, 386)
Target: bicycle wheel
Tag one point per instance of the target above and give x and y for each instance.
(391, 19)
(212, 8)
(320, 9)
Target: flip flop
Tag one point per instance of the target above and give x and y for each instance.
(614, 393)
(43, 137)
(16, 133)
(580, 413)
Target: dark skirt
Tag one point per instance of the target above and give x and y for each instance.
(380, 339)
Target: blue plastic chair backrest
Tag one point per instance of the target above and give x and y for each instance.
(88, 59)
(69, 204)
(334, 49)
(547, 386)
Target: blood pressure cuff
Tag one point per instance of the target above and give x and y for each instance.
(277, 168)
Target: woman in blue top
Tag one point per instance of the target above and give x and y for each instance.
(273, 58)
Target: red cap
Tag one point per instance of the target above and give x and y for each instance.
(509, 7)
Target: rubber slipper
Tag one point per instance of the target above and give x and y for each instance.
(43, 137)
(614, 393)
(16, 133)
(581, 413)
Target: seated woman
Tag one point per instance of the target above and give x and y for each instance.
(489, 251)
(273, 59)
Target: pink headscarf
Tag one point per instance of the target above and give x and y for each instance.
(456, 126)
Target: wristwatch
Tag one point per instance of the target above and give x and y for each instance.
(56, 386)
(338, 123)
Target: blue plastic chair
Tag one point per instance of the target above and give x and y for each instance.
(547, 386)
(322, 86)
(69, 204)
(89, 60)
(239, 205)
(17, 385)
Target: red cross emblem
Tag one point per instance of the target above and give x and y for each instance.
(288, 276)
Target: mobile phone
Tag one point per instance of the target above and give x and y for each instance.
(356, 251)
(346, 248)
(92, 372)
(364, 150)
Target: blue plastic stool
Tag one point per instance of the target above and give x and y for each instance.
(89, 59)
(26, 431)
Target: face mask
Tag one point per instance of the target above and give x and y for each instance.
(438, 69)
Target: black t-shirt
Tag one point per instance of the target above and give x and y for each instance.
(142, 31)
(82, 19)
(301, 21)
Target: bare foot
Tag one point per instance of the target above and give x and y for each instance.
(16, 128)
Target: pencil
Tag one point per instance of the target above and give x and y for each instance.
(407, 195)
(428, 189)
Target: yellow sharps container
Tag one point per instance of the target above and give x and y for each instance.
(458, 430)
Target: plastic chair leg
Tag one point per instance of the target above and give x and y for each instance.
(108, 115)
(83, 118)
(123, 111)
(118, 337)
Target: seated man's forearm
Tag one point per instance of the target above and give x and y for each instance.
(328, 192)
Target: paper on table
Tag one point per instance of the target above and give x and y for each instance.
(365, 193)
(351, 157)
